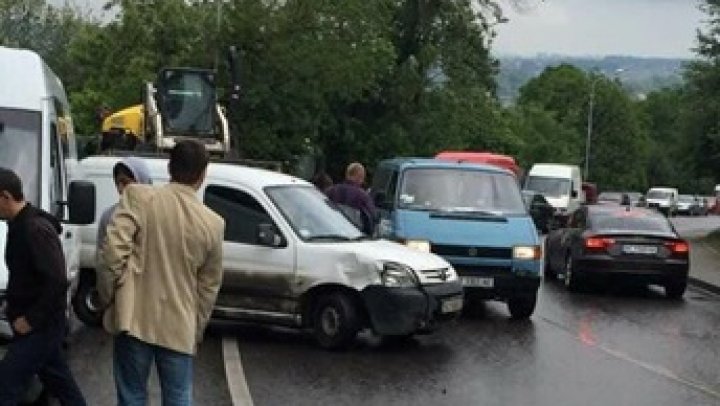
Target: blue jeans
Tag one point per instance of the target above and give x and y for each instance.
(38, 353)
(131, 363)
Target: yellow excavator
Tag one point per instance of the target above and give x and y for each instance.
(181, 104)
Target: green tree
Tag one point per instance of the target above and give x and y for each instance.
(618, 153)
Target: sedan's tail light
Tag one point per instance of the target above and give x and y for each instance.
(598, 243)
(678, 247)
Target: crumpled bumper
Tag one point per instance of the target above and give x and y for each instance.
(401, 311)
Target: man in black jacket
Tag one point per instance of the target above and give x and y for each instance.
(36, 299)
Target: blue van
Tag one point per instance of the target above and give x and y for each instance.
(472, 215)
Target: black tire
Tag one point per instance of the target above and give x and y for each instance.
(675, 289)
(336, 321)
(572, 282)
(522, 307)
(84, 302)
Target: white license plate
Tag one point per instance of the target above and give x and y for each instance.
(477, 282)
(640, 249)
(452, 305)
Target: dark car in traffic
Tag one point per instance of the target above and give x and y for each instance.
(619, 245)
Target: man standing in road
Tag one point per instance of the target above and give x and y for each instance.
(36, 299)
(164, 252)
(351, 194)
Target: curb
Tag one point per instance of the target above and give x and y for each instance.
(699, 283)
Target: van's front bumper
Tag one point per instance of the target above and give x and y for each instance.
(500, 283)
(402, 311)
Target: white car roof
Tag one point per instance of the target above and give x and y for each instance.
(228, 172)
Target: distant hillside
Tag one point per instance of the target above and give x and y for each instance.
(640, 75)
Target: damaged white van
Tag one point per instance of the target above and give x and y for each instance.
(291, 258)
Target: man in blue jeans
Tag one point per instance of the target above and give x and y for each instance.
(163, 263)
(36, 300)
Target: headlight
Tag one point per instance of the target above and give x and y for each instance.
(527, 253)
(419, 245)
(393, 274)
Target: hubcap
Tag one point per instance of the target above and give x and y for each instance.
(330, 321)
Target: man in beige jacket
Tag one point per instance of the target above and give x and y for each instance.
(164, 255)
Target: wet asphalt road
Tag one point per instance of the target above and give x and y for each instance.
(613, 347)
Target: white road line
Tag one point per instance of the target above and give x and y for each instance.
(655, 369)
(239, 391)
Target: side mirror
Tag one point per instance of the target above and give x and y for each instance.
(81, 202)
(574, 194)
(268, 236)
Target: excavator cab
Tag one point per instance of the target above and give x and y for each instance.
(182, 104)
(186, 97)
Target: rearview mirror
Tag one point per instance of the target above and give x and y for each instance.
(81, 202)
(269, 236)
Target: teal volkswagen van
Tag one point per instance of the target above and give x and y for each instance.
(472, 215)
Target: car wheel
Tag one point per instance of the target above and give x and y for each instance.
(86, 302)
(522, 307)
(675, 289)
(572, 282)
(336, 321)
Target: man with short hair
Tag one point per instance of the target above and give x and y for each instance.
(164, 253)
(351, 194)
(36, 299)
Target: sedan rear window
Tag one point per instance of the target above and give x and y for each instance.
(629, 221)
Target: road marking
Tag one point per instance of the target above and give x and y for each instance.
(239, 390)
(655, 369)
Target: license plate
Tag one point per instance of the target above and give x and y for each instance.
(452, 305)
(640, 249)
(477, 282)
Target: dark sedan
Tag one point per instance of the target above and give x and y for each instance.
(618, 244)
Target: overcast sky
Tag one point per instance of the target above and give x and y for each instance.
(600, 27)
(586, 27)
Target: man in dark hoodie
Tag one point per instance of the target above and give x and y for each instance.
(36, 299)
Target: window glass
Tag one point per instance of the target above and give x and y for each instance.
(242, 213)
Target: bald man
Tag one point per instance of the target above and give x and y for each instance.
(350, 193)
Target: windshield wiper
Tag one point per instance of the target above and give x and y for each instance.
(481, 215)
(461, 212)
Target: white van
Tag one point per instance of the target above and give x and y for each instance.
(292, 259)
(560, 184)
(664, 199)
(38, 143)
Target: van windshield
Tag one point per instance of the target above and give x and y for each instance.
(548, 187)
(460, 190)
(20, 148)
(312, 215)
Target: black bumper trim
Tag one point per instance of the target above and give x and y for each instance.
(400, 311)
